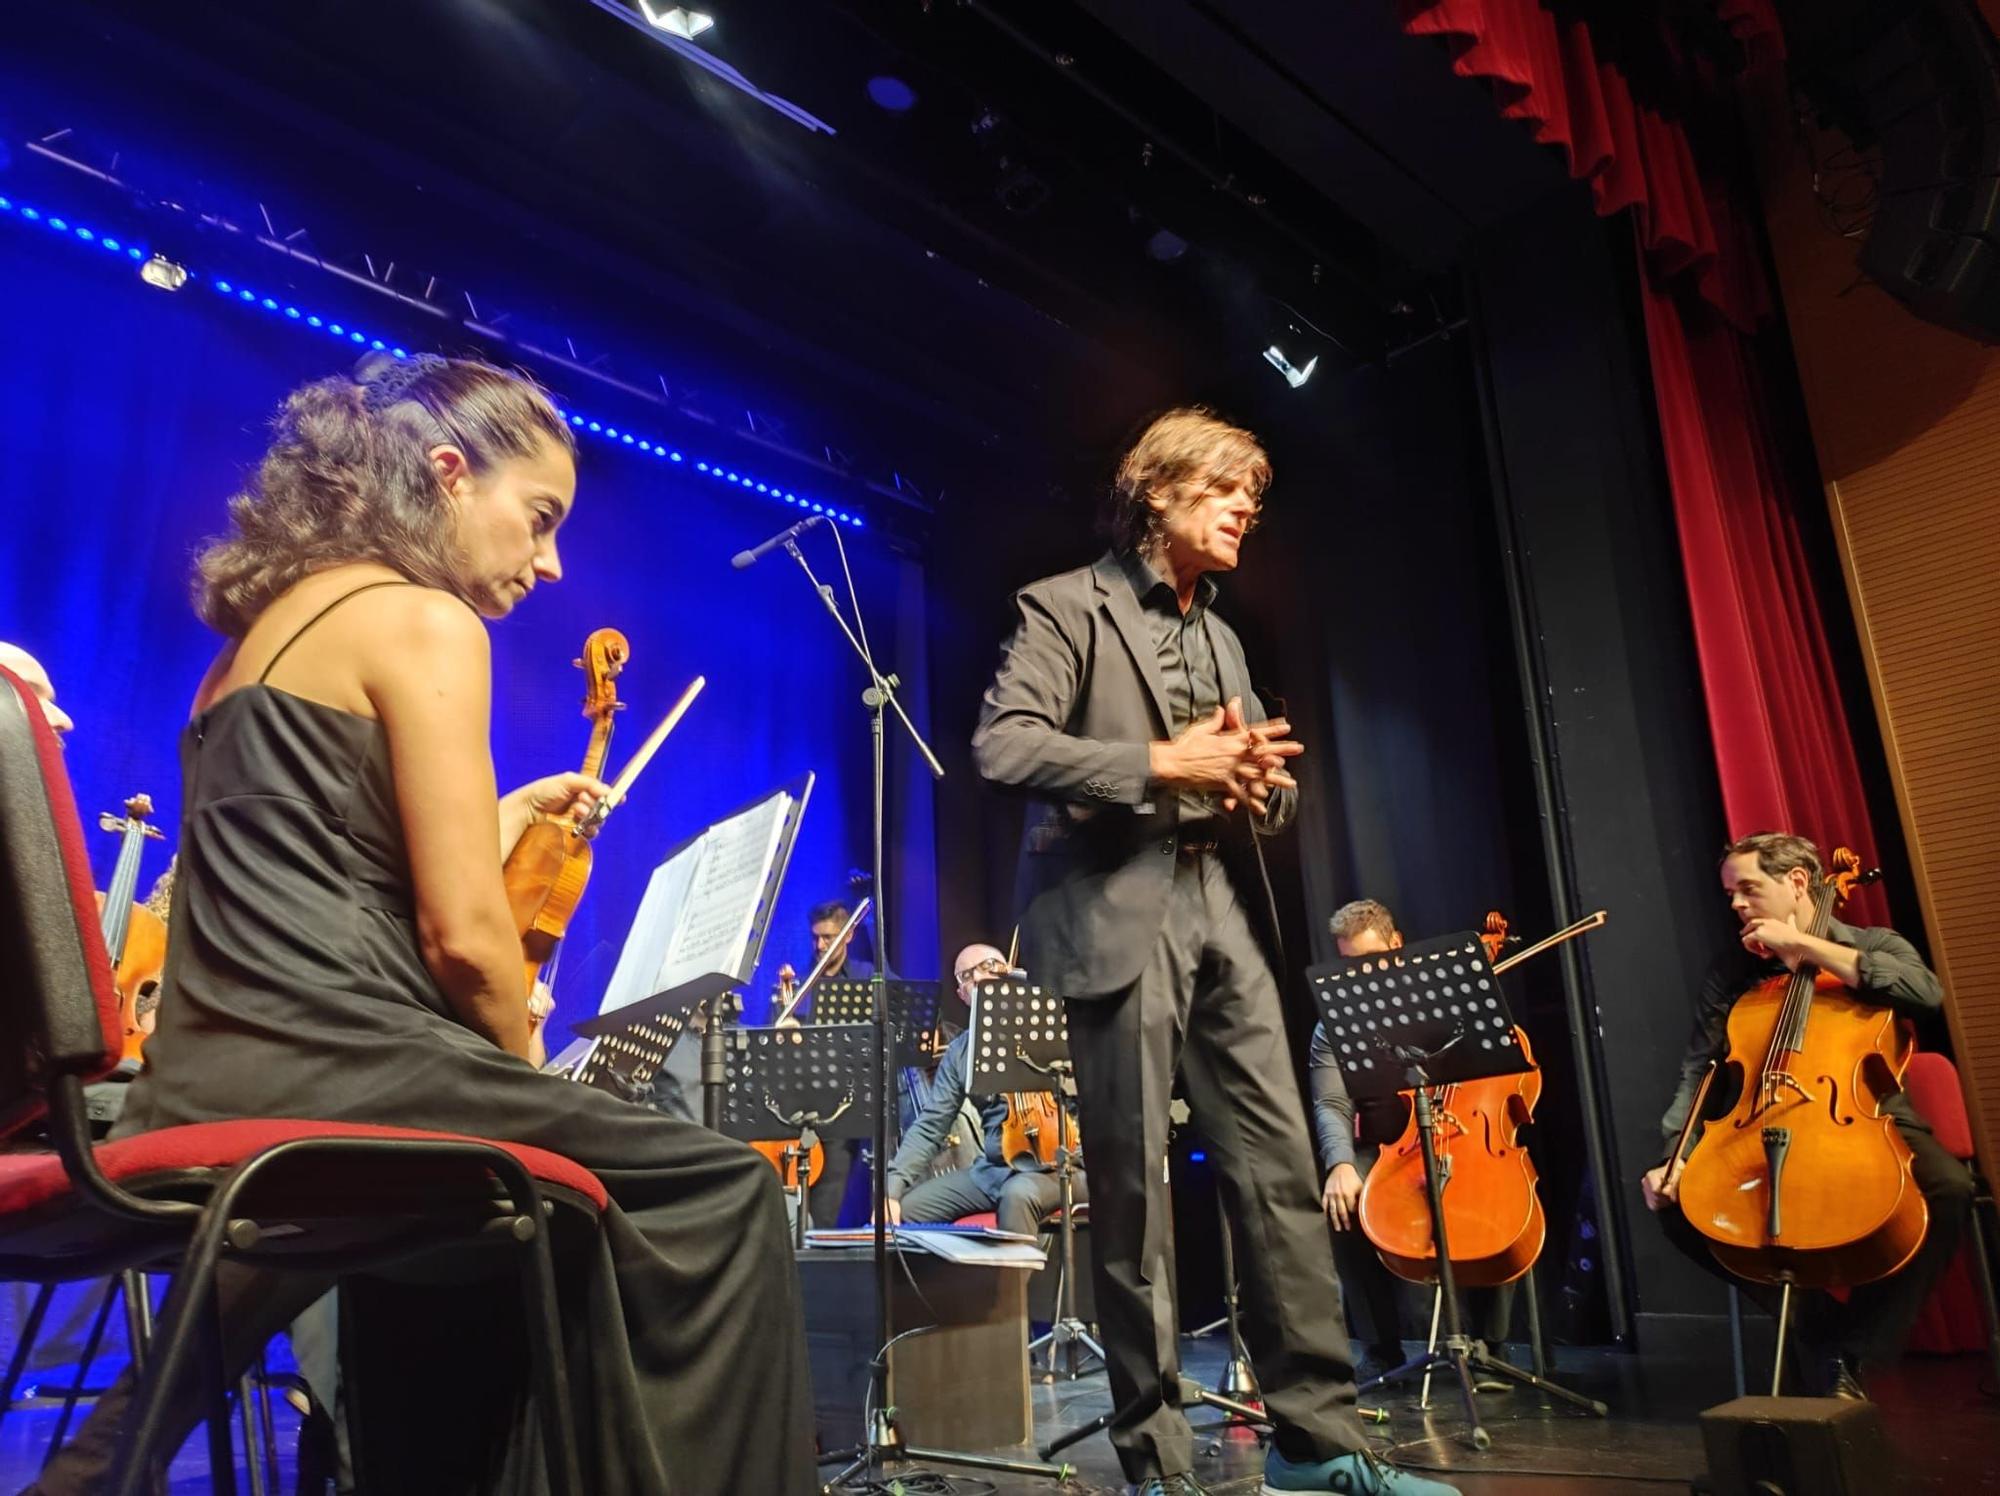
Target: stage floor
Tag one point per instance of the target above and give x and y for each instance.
(1942, 1422)
(1935, 1411)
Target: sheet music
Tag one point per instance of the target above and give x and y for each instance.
(700, 908)
(713, 932)
(652, 929)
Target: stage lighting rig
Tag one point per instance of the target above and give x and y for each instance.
(677, 20)
(1293, 376)
(168, 275)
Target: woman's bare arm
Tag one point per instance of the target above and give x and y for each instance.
(427, 669)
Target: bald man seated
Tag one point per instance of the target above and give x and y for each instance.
(17, 660)
(1021, 1192)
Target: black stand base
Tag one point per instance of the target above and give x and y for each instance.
(1468, 1361)
(1192, 1392)
(885, 1446)
(1068, 1341)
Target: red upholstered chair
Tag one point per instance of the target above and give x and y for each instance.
(1962, 1303)
(312, 1196)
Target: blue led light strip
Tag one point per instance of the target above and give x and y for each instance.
(241, 295)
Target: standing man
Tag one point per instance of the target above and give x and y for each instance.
(1123, 705)
(1351, 1138)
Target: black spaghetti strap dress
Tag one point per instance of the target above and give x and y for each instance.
(295, 988)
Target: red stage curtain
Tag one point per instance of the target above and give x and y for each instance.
(1781, 735)
(1782, 747)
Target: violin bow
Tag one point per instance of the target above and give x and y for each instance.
(1569, 932)
(638, 761)
(839, 942)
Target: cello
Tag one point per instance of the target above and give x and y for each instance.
(134, 936)
(1805, 1180)
(1493, 1214)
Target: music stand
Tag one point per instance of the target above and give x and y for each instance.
(624, 1061)
(913, 1011)
(1424, 1015)
(804, 1085)
(1020, 1042)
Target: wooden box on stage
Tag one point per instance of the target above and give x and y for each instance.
(1798, 1446)
(963, 1385)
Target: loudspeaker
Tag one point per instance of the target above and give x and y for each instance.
(1929, 87)
(1795, 1446)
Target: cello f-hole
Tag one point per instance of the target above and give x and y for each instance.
(1833, 1103)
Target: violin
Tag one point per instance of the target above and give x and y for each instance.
(784, 996)
(1805, 1180)
(546, 872)
(1492, 1210)
(1037, 1125)
(135, 937)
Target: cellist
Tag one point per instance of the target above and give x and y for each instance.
(1770, 880)
(1348, 1147)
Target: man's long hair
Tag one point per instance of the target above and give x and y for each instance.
(1177, 456)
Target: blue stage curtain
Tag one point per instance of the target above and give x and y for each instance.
(128, 416)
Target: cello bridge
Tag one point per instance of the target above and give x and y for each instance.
(1777, 1079)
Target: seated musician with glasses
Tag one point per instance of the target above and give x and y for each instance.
(1022, 1192)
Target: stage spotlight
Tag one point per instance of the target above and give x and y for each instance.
(1293, 377)
(164, 273)
(677, 20)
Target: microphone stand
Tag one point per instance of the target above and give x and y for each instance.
(880, 1440)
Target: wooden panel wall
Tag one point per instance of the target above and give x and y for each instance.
(1906, 421)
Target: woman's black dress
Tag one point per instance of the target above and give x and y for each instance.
(295, 988)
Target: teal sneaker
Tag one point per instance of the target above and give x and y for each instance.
(1359, 1474)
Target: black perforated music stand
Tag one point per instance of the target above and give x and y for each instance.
(623, 1061)
(1020, 1042)
(803, 1085)
(913, 1012)
(1424, 1015)
(1436, 998)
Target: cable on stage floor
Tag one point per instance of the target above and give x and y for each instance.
(925, 1483)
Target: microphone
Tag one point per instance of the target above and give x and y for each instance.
(783, 537)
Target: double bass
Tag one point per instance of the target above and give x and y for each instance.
(1493, 1214)
(1806, 1180)
(134, 936)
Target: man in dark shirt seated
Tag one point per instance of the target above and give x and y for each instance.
(1348, 1149)
(826, 921)
(1020, 1191)
(1770, 880)
(829, 1196)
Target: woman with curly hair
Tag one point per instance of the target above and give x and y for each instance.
(343, 951)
